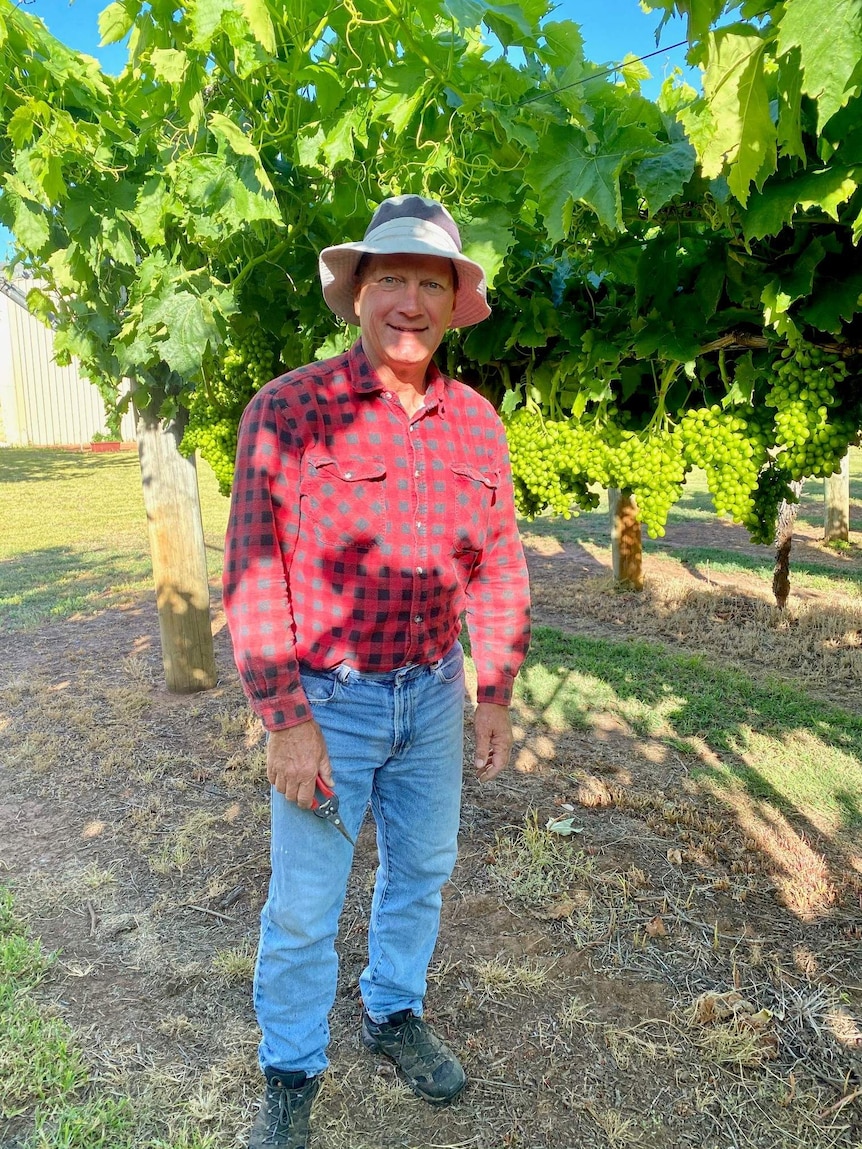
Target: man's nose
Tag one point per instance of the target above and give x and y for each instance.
(411, 296)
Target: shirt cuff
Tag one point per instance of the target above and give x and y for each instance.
(282, 713)
(498, 692)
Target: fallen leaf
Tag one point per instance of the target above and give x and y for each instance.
(560, 910)
(712, 1006)
(564, 826)
(675, 857)
(656, 928)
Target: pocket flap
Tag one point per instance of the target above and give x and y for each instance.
(488, 478)
(352, 470)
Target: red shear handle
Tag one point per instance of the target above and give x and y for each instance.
(322, 793)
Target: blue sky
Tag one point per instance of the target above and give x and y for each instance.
(611, 29)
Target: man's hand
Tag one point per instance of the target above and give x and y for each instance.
(492, 726)
(294, 758)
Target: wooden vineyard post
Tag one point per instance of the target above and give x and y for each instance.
(626, 548)
(172, 502)
(836, 504)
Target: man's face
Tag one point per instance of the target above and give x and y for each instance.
(404, 304)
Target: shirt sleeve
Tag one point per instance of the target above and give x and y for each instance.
(261, 534)
(498, 594)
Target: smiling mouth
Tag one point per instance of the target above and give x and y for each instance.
(408, 330)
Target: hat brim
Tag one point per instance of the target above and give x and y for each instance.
(338, 268)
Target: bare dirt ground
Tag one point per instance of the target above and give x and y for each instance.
(683, 971)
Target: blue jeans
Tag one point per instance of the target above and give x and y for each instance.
(395, 740)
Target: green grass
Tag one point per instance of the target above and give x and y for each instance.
(75, 533)
(43, 1074)
(798, 753)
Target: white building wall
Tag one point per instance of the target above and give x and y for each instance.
(42, 404)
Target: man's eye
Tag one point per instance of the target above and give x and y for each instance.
(434, 286)
(388, 280)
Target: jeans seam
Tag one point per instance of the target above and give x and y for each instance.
(383, 848)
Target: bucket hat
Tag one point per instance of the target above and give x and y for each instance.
(406, 225)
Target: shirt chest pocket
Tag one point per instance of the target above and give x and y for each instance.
(345, 500)
(475, 494)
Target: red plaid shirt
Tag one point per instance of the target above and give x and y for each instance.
(359, 534)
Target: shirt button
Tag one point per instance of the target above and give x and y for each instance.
(415, 474)
(417, 618)
(419, 570)
(348, 474)
(418, 526)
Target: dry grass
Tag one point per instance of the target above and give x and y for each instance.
(804, 643)
(568, 968)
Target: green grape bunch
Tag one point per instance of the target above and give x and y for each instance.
(217, 404)
(731, 447)
(750, 452)
(812, 427)
(553, 463)
(556, 463)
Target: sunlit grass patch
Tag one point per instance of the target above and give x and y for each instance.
(778, 743)
(504, 977)
(536, 865)
(45, 1081)
(236, 965)
(91, 552)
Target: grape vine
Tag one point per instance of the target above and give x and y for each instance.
(215, 407)
(749, 453)
(623, 237)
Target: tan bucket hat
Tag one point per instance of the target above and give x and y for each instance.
(406, 225)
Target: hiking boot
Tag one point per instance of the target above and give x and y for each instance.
(282, 1119)
(429, 1067)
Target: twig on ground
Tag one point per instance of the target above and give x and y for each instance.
(212, 913)
(839, 1105)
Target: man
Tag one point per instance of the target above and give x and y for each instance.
(372, 504)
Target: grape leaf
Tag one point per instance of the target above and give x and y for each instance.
(22, 123)
(338, 145)
(225, 129)
(116, 20)
(660, 177)
(773, 209)
(117, 239)
(148, 215)
(838, 300)
(487, 239)
(790, 140)
(700, 13)
(565, 170)
(828, 35)
(190, 326)
(169, 64)
(29, 223)
(205, 17)
(741, 138)
(260, 22)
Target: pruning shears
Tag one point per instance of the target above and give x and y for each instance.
(325, 805)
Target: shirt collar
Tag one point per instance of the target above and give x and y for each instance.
(364, 377)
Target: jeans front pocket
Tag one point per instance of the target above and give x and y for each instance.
(320, 686)
(451, 666)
